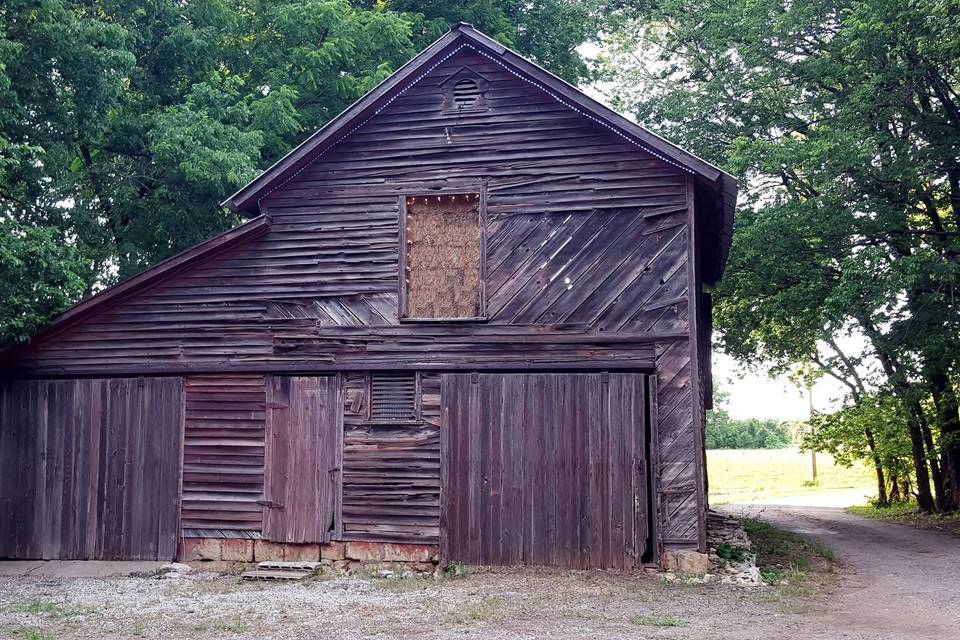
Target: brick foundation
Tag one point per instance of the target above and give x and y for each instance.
(340, 556)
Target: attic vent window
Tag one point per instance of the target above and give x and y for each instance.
(466, 93)
(393, 396)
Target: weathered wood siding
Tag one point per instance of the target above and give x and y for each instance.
(545, 469)
(223, 455)
(588, 264)
(584, 230)
(89, 468)
(303, 440)
(391, 472)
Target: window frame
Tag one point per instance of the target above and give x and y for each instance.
(482, 248)
(416, 418)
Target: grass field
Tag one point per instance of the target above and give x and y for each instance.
(749, 475)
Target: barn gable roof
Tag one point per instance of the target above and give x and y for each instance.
(713, 184)
(218, 244)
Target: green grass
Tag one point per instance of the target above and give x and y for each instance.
(51, 609)
(27, 633)
(234, 626)
(747, 475)
(486, 610)
(908, 514)
(658, 621)
(784, 558)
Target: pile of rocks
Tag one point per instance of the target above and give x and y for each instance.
(725, 531)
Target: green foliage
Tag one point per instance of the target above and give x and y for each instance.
(123, 125)
(842, 433)
(40, 274)
(785, 558)
(724, 432)
(842, 120)
(729, 552)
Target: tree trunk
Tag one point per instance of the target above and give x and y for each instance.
(882, 500)
(931, 454)
(895, 495)
(893, 372)
(948, 414)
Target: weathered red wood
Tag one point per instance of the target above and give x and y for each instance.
(89, 468)
(223, 449)
(562, 455)
(595, 251)
(302, 443)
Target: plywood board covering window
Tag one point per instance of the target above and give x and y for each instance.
(442, 265)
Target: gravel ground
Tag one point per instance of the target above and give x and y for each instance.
(901, 582)
(490, 604)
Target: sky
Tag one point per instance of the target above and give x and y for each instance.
(757, 395)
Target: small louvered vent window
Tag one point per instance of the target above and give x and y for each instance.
(465, 93)
(393, 396)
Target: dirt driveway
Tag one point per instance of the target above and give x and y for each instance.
(900, 582)
(902, 586)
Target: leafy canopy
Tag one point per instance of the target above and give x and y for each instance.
(124, 124)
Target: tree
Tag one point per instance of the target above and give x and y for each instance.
(123, 125)
(724, 432)
(843, 120)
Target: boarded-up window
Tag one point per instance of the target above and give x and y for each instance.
(442, 260)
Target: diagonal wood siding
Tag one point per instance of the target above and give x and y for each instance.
(585, 232)
(89, 468)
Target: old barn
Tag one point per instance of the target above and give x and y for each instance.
(467, 320)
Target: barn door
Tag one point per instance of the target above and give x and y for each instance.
(544, 469)
(301, 458)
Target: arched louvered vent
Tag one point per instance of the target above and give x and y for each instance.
(466, 93)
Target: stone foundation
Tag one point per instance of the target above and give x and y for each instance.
(340, 556)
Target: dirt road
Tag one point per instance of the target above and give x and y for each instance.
(901, 582)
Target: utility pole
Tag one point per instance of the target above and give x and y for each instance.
(813, 453)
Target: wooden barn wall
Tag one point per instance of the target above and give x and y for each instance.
(545, 469)
(587, 265)
(302, 448)
(223, 456)
(678, 473)
(89, 469)
(586, 238)
(391, 472)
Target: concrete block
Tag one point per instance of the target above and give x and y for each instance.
(333, 551)
(363, 551)
(408, 552)
(266, 550)
(192, 549)
(685, 561)
(236, 550)
(301, 552)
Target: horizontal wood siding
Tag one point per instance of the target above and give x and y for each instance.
(585, 232)
(391, 472)
(89, 468)
(545, 469)
(223, 455)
